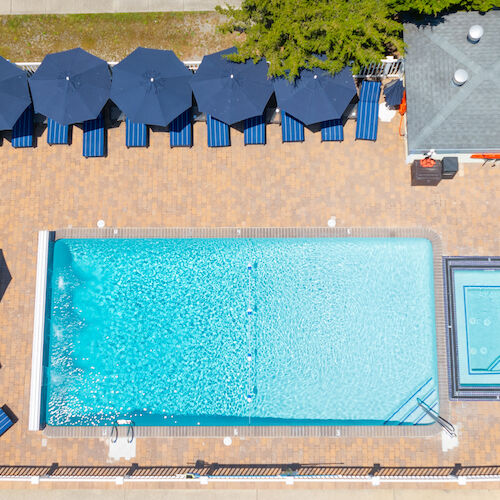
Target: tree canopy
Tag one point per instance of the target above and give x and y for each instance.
(291, 33)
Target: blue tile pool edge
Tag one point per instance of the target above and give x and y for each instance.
(282, 431)
(455, 389)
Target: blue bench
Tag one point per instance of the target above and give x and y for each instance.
(5, 422)
(57, 133)
(254, 130)
(367, 119)
(181, 130)
(217, 133)
(136, 134)
(292, 130)
(332, 130)
(94, 137)
(22, 132)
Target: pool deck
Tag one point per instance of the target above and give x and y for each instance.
(277, 185)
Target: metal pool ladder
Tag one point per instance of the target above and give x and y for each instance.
(447, 426)
(122, 423)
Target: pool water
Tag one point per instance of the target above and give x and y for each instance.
(477, 303)
(241, 331)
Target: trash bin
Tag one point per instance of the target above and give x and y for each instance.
(450, 167)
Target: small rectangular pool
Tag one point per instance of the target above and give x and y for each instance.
(474, 317)
(240, 331)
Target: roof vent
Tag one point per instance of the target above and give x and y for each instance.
(475, 33)
(460, 77)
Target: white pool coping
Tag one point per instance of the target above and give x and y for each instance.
(38, 331)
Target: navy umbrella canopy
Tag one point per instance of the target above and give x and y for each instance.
(231, 92)
(70, 86)
(14, 94)
(316, 95)
(152, 86)
(394, 93)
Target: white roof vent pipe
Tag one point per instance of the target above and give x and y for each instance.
(460, 77)
(475, 33)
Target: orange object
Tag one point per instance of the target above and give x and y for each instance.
(494, 156)
(402, 106)
(427, 162)
(402, 111)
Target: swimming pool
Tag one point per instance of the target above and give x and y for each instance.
(474, 317)
(240, 331)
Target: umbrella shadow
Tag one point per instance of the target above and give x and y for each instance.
(5, 276)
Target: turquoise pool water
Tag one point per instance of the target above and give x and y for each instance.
(477, 308)
(240, 331)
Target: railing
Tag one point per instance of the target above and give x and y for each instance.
(288, 473)
(386, 68)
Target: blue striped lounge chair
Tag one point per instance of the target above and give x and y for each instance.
(332, 130)
(22, 132)
(367, 119)
(181, 130)
(57, 133)
(217, 133)
(5, 422)
(94, 137)
(136, 134)
(254, 130)
(292, 130)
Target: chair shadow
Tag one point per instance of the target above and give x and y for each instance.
(5, 276)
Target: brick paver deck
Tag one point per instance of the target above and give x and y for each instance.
(361, 183)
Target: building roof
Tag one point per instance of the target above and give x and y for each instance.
(441, 115)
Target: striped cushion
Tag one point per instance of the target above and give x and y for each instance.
(181, 130)
(5, 422)
(255, 130)
(367, 119)
(217, 133)
(136, 134)
(22, 133)
(57, 133)
(332, 130)
(370, 91)
(93, 137)
(292, 130)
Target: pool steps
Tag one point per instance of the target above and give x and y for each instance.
(410, 412)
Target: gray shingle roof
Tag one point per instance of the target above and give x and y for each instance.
(440, 115)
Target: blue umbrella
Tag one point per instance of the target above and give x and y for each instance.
(231, 92)
(14, 94)
(152, 86)
(316, 95)
(394, 93)
(70, 86)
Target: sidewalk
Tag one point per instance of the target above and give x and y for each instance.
(96, 6)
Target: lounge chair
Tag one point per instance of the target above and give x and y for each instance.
(292, 130)
(57, 133)
(367, 119)
(5, 422)
(217, 133)
(332, 130)
(22, 132)
(181, 130)
(136, 134)
(255, 130)
(94, 137)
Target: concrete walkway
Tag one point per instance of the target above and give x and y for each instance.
(96, 6)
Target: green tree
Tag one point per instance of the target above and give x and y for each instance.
(434, 7)
(289, 33)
